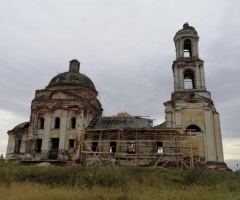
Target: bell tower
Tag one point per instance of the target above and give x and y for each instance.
(188, 68)
(191, 107)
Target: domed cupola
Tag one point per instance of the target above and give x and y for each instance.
(186, 42)
(72, 78)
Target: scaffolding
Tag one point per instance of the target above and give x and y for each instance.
(157, 148)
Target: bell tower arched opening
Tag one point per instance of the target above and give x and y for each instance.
(189, 80)
(187, 46)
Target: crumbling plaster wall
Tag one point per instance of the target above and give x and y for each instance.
(200, 112)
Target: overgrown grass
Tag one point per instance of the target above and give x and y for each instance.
(75, 182)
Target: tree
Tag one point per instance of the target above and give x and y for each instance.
(1, 157)
(123, 114)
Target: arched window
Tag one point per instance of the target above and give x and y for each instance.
(187, 48)
(57, 123)
(41, 123)
(73, 122)
(189, 81)
(193, 128)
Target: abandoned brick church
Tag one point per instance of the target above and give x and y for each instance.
(66, 123)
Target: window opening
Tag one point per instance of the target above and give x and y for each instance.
(73, 122)
(113, 147)
(193, 128)
(159, 147)
(41, 123)
(71, 143)
(17, 145)
(94, 146)
(55, 143)
(187, 48)
(57, 123)
(38, 145)
(131, 147)
(189, 82)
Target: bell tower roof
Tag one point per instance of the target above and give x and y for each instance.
(186, 30)
(186, 42)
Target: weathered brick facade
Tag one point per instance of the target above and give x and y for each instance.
(66, 123)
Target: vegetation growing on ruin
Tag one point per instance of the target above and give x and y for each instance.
(75, 182)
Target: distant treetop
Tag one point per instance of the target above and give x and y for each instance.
(123, 114)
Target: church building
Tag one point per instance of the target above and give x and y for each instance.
(66, 123)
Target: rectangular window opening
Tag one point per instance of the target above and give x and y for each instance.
(131, 147)
(71, 143)
(57, 123)
(94, 146)
(113, 147)
(17, 145)
(159, 147)
(73, 123)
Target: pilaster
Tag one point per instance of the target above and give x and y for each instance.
(45, 140)
(218, 138)
(202, 77)
(210, 154)
(181, 78)
(176, 78)
(63, 128)
(198, 85)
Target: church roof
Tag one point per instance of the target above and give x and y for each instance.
(119, 122)
(186, 29)
(72, 77)
(21, 126)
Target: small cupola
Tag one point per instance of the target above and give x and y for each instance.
(186, 42)
(74, 66)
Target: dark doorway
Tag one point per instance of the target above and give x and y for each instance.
(38, 145)
(53, 153)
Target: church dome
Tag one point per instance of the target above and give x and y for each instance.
(72, 78)
(186, 30)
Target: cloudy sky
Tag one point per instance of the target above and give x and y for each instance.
(126, 47)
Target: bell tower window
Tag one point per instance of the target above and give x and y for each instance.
(187, 48)
(189, 82)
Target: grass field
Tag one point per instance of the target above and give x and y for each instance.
(75, 182)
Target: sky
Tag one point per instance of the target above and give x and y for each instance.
(126, 48)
